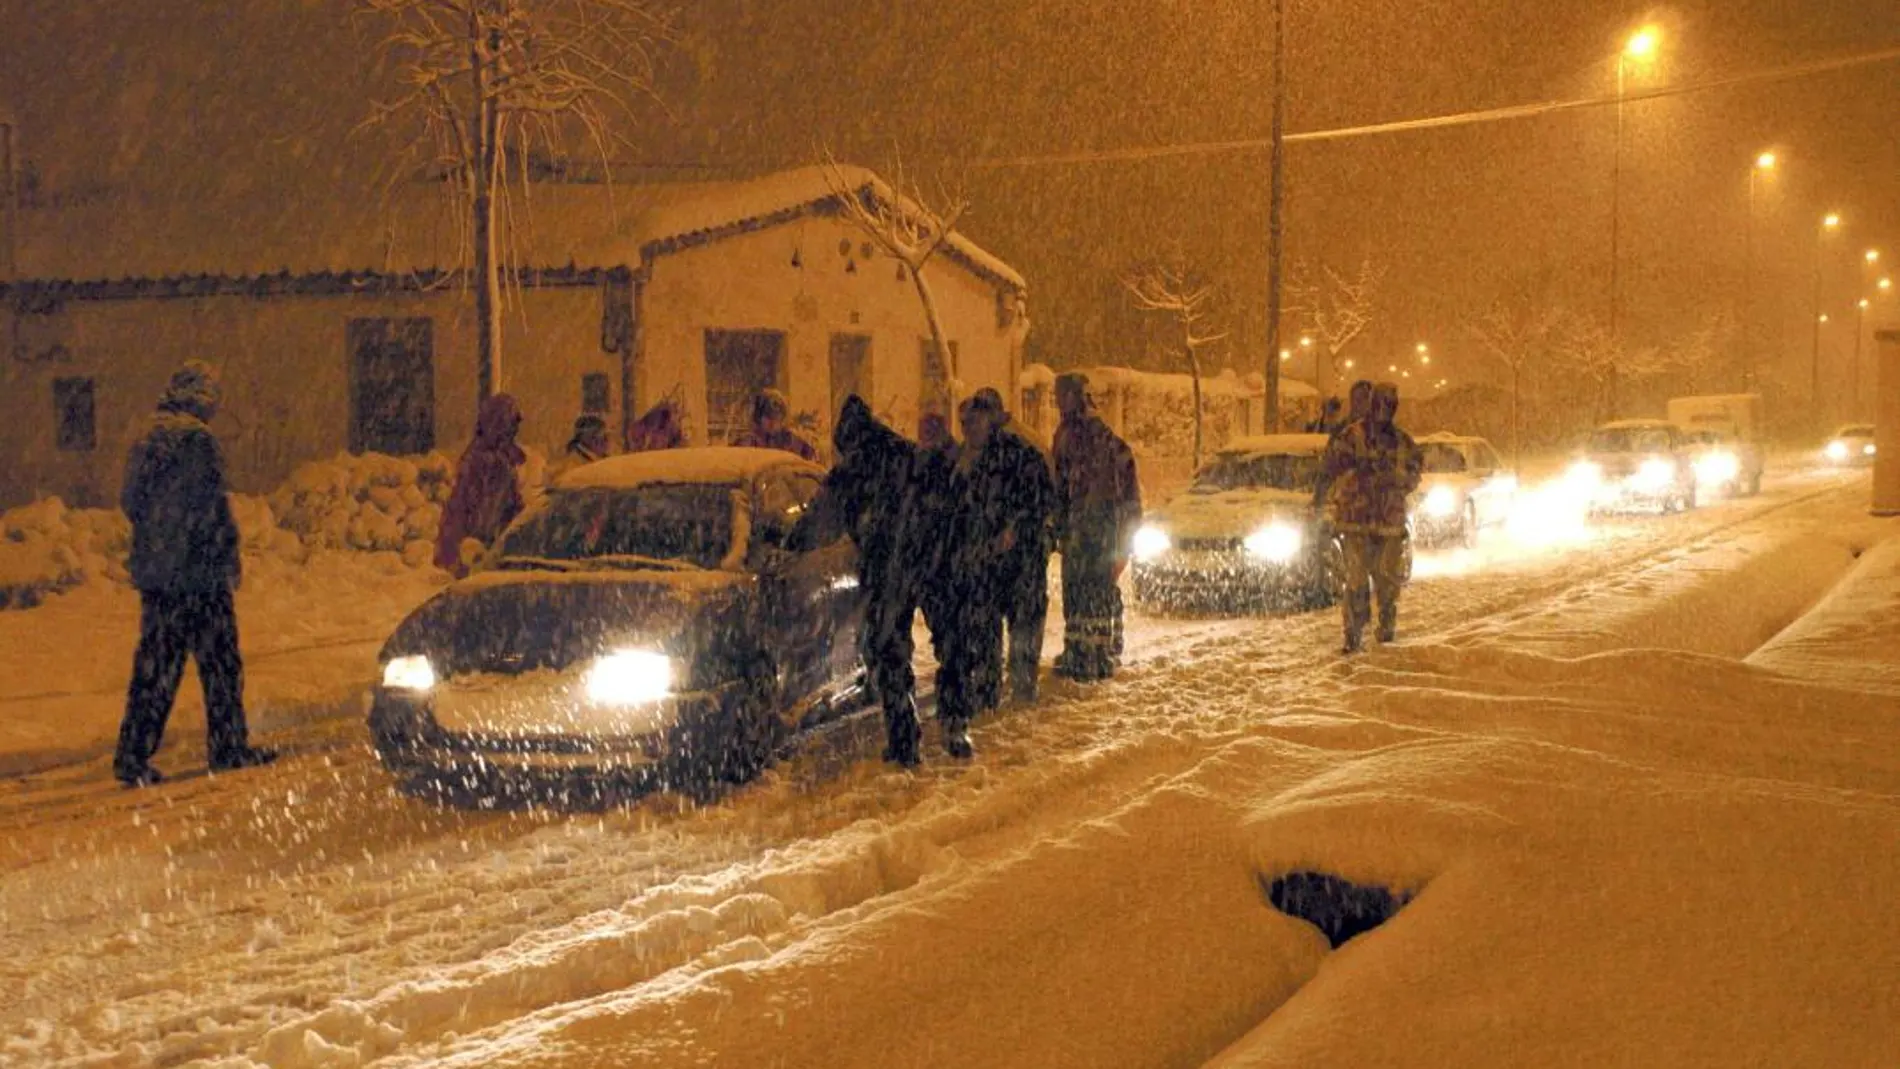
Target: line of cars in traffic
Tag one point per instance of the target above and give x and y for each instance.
(651, 622)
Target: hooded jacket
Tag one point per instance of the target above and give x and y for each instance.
(1097, 491)
(183, 535)
(486, 497)
(872, 494)
(1371, 468)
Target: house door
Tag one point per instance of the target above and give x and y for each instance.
(850, 372)
(739, 363)
(392, 385)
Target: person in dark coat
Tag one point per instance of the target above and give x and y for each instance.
(1373, 467)
(769, 429)
(185, 564)
(1010, 498)
(486, 497)
(588, 444)
(945, 590)
(1098, 506)
(873, 495)
(660, 428)
(1360, 397)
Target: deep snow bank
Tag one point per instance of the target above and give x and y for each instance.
(1849, 636)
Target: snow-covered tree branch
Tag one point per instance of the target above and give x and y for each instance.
(1337, 309)
(1166, 288)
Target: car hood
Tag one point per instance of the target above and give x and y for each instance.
(1458, 481)
(1230, 513)
(520, 621)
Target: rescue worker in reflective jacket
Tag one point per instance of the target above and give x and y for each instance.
(872, 494)
(1010, 504)
(1098, 506)
(1373, 467)
(185, 564)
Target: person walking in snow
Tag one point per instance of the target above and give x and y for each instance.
(1010, 499)
(588, 444)
(1328, 419)
(1360, 402)
(185, 564)
(1098, 506)
(873, 495)
(1373, 467)
(769, 429)
(487, 494)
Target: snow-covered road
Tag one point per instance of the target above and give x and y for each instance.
(307, 914)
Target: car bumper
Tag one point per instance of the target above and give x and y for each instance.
(411, 741)
(1440, 530)
(1193, 577)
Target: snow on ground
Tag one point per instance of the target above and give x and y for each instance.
(1631, 846)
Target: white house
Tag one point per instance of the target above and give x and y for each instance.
(354, 334)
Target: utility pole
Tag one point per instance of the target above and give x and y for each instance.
(1276, 222)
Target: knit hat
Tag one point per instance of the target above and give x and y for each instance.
(769, 404)
(193, 388)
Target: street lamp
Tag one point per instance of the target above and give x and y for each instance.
(1640, 47)
(1764, 164)
(1860, 332)
(1829, 224)
(1886, 284)
(1873, 256)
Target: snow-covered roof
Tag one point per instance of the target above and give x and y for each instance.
(711, 465)
(1639, 425)
(1285, 444)
(1223, 383)
(414, 228)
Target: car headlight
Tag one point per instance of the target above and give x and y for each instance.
(1714, 469)
(413, 672)
(1151, 542)
(1278, 542)
(1441, 502)
(1837, 451)
(1585, 473)
(630, 677)
(1868, 449)
(1655, 474)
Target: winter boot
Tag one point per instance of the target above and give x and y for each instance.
(142, 776)
(248, 757)
(1353, 645)
(904, 734)
(956, 739)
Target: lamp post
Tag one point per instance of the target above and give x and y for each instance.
(1860, 333)
(1764, 164)
(1276, 225)
(1829, 224)
(1641, 46)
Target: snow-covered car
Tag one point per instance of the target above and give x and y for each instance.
(1851, 447)
(642, 626)
(1465, 488)
(1245, 533)
(1634, 464)
(1724, 465)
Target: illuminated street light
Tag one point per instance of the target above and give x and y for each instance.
(1348, 365)
(1643, 43)
(1863, 303)
(1286, 354)
(1764, 165)
(1765, 162)
(1425, 360)
(1641, 48)
(1873, 256)
(1886, 284)
(1306, 342)
(1823, 318)
(1423, 348)
(1394, 368)
(1832, 222)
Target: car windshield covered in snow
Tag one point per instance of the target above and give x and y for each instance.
(1630, 440)
(1255, 471)
(689, 524)
(1442, 459)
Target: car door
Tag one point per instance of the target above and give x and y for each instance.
(806, 593)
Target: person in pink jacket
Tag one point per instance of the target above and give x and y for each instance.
(487, 496)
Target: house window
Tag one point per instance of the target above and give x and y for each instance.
(934, 394)
(739, 363)
(392, 385)
(850, 370)
(77, 419)
(596, 393)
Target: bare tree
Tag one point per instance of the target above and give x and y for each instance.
(1701, 354)
(498, 83)
(910, 228)
(1517, 332)
(1337, 310)
(1166, 288)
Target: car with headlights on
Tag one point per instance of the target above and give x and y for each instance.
(644, 625)
(1245, 534)
(1636, 464)
(1852, 446)
(1464, 489)
(1724, 464)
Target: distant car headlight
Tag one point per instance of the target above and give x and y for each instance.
(413, 672)
(630, 677)
(1277, 543)
(1837, 451)
(1151, 542)
(1653, 476)
(1441, 502)
(1868, 449)
(1717, 468)
(1585, 473)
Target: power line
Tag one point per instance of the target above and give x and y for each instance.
(1467, 118)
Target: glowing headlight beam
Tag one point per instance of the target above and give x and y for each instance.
(1717, 469)
(1837, 451)
(1653, 476)
(1277, 543)
(1441, 502)
(630, 677)
(409, 673)
(1151, 542)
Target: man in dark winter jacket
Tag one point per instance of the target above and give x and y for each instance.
(1328, 420)
(1010, 504)
(769, 430)
(185, 563)
(872, 494)
(1372, 467)
(1098, 507)
(1360, 398)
